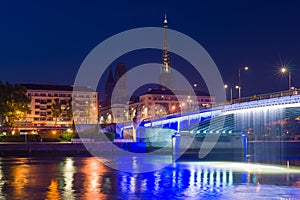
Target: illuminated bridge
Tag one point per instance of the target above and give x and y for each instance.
(221, 132)
(250, 114)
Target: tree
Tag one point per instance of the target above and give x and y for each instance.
(3, 100)
(56, 109)
(69, 113)
(68, 110)
(14, 103)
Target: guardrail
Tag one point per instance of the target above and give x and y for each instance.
(260, 97)
(234, 101)
(245, 99)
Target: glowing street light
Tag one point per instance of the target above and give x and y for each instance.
(240, 82)
(226, 86)
(284, 70)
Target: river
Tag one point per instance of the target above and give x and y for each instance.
(88, 178)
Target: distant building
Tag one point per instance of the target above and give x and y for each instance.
(84, 104)
(155, 103)
(119, 101)
(161, 102)
(109, 87)
(121, 81)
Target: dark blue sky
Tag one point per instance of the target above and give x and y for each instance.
(46, 41)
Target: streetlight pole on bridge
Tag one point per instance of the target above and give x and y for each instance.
(226, 86)
(285, 70)
(240, 82)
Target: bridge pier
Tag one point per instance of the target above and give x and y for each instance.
(175, 147)
(186, 147)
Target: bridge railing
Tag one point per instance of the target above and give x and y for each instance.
(234, 101)
(261, 96)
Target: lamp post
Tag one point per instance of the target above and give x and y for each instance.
(285, 70)
(231, 96)
(240, 82)
(87, 112)
(226, 86)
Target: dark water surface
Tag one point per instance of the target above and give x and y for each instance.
(87, 178)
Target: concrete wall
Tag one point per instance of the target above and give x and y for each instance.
(68, 148)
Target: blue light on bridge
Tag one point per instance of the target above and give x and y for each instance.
(248, 109)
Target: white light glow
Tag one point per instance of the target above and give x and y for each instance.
(249, 167)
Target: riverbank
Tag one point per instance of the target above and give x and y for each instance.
(68, 148)
(256, 149)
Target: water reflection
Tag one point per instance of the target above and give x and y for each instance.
(68, 170)
(53, 193)
(2, 179)
(156, 180)
(19, 179)
(97, 181)
(87, 178)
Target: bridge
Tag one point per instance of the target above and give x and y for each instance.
(245, 114)
(261, 117)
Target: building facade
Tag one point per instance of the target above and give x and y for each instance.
(85, 105)
(80, 108)
(113, 108)
(162, 102)
(157, 102)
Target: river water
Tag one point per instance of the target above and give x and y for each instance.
(87, 178)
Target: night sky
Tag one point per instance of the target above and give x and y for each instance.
(46, 41)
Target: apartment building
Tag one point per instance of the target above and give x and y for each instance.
(83, 102)
(156, 102)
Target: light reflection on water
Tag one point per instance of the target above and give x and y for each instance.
(53, 192)
(87, 178)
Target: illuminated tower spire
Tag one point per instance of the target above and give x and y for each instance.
(165, 72)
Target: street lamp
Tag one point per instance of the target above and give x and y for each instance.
(240, 82)
(87, 111)
(238, 88)
(226, 86)
(231, 96)
(285, 70)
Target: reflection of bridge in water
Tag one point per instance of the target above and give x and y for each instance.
(192, 179)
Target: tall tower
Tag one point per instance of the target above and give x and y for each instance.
(165, 77)
(109, 87)
(122, 89)
(120, 71)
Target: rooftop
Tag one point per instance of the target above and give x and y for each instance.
(163, 91)
(56, 87)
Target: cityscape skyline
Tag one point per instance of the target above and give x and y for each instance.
(150, 99)
(44, 42)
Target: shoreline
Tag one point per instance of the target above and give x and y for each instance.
(68, 148)
(120, 148)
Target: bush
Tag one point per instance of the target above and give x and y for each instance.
(66, 137)
(110, 136)
(20, 138)
(51, 140)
